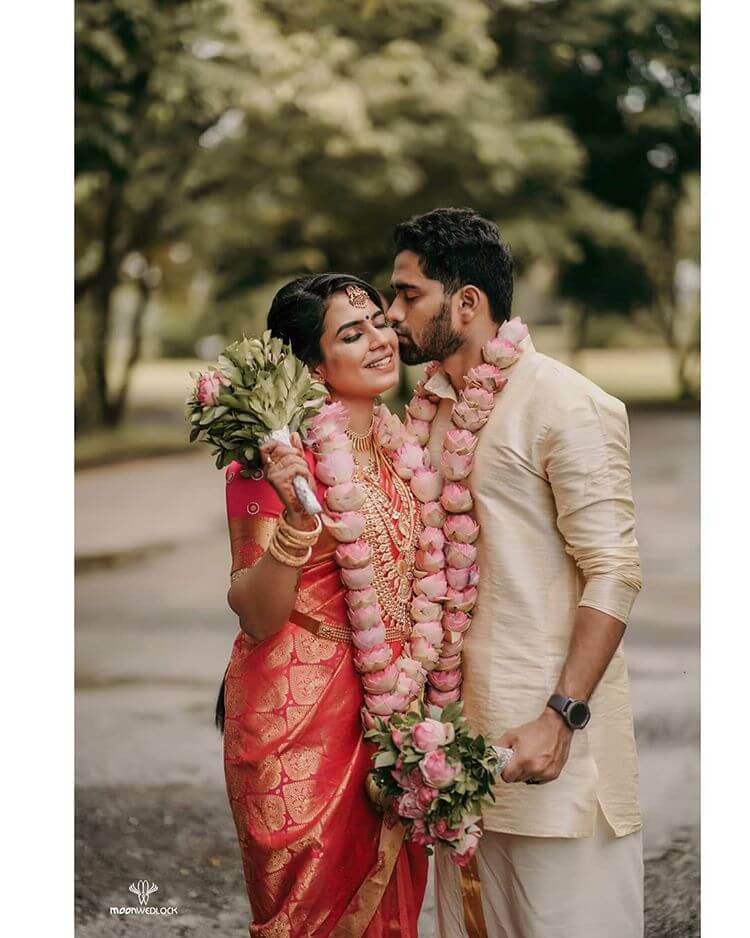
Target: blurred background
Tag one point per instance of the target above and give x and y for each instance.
(224, 146)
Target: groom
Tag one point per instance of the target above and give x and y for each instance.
(559, 571)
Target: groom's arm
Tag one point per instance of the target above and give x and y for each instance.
(587, 459)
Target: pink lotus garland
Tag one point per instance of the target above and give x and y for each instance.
(447, 550)
(389, 686)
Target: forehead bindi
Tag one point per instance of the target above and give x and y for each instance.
(340, 312)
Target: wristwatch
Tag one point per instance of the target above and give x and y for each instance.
(576, 713)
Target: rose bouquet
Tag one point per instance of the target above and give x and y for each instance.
(433, 773)
(257, 391)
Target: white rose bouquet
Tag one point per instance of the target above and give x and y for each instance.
(258, 390)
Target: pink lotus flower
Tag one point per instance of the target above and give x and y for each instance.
(408, 805)
(349, 496)
(433, 515)
(430, 561)
(467, 417)
(456, 498)
(331, 418)
(462, 442)
(478, 398)
(353, 556)
(424, 652)
(487, 376)
(432, 539)
(465, 848)
(383, 705)
(407, 459)
(413, 668)
(462, 528)
(426, 795)
(368, 720)
(461, 600)
(426, 484)
(424, 610)
(456, 621)
(419, 834)
(459, 579)
(367, 639)
(337, 443)
(366, 617)
(409, 781)
(436, 770)
(397, 737)
(445, 680)
(500, 352)
(345, 527)
(380, 682)
(420, 408)
(460, 555)
(454, 466)
(208, 386)
(443, 831)
(445, 662)
(373, 660)
(419, 429)
(335, 468)
(442, 698)
(360, 599)
(386, 424)
(358, 579)
(514, 330)
(431, 631)
(433, 587)
(406, 686)
(452, 647)
(431, 734)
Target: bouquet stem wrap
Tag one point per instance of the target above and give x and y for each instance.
(304, 493)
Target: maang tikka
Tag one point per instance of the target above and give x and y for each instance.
(357, 296)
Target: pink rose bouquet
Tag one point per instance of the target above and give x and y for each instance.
(433, 774)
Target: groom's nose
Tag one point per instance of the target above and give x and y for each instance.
(396, 312)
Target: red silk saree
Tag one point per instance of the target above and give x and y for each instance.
(319, 860)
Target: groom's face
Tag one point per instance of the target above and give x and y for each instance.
(421, 313)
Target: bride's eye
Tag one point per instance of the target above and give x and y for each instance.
(351, 338)
(379, 321)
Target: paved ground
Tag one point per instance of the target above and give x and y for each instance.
(153, 637)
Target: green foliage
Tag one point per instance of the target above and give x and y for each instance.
(263, 387)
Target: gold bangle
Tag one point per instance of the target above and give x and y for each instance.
(289, 560)
(285, 542)
(303, 537)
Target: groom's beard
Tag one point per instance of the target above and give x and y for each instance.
(438, 342)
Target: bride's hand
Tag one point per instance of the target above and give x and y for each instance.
(282, 463)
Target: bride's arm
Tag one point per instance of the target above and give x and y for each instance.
(264, 588)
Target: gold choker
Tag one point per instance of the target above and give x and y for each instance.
(361, 441)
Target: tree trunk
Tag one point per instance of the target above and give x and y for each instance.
(136, 344)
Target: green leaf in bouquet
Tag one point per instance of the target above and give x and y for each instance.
(452, 712)
(383, 759)
(206, 417)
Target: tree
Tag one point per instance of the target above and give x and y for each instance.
(151, 79)
(623, 75)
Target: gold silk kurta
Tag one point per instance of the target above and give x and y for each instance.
(552, 493)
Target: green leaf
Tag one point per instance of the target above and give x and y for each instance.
(383, 759)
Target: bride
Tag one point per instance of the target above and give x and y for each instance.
(318, 858)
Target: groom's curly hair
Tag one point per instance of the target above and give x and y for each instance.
(456, 247)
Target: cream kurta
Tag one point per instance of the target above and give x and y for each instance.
(552, 492)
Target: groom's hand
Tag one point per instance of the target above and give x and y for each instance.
(540, 749)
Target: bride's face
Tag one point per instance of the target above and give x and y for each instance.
(359, 349)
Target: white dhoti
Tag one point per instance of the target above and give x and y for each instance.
(549, 887)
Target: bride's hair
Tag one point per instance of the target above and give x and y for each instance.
(297, 313)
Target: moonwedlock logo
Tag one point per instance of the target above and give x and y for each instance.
(144, 890)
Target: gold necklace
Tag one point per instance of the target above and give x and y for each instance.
(361, 441)
(388, 527)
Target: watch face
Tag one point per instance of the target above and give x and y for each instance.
(578, 713)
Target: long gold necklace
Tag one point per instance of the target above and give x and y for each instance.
(389, 526)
